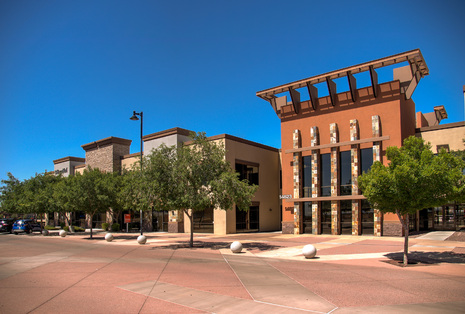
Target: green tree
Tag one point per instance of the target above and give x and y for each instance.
(92, 192)
(193, 178)
(37, 196)
(10, 194)
(415, 179)
(65, 195)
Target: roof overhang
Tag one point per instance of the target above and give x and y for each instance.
(415, 59)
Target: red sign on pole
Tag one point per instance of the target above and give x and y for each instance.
(127, 218)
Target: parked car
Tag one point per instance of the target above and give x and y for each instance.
(6, 224)
(25, 225)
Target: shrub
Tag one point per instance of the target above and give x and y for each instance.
(105, 226)
(48, 227)
(75, 228)
(62, 225)
(115, 227)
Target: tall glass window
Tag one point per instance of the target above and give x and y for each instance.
(326, 217)
(325, 174)
(346, 217)
(307, 176)
(366, 159)
(367, 218)
(307, 217)
(345, 173)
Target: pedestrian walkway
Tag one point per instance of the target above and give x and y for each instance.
(349, 275)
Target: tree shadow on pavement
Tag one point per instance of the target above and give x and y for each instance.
(427, 258)
(251, 246)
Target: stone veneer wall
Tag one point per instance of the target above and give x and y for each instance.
(376, 130)
(355, 168)
(296, 162)
(106, 157)
(315, 140)
(335, 205)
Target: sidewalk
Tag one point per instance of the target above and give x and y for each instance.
(349, 275)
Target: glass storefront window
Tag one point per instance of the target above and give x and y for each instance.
(203, 221)
(367, 218)
(307, 176)
(307, 221)
(326, 217)
(325, 175)
(248, 172)
(346, 217)
(345, 173)
(366, 159)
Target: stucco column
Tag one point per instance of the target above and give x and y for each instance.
(296, 169)
(315, 140)
(355, 166)
(335, 205)
(376, 130)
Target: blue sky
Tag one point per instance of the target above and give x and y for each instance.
(72, 72)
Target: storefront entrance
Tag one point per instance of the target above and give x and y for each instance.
(247, 221)
(160, 220)
(447, 217)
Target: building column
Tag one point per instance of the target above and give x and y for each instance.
(315, 140)
(296, 165)
(355, 166)
(376, 130)
(335, 205)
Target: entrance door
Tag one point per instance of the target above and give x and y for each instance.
(249, 220)
(160, 220)
(444, 217)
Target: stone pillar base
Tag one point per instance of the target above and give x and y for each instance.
(288, 227)
(175, 227)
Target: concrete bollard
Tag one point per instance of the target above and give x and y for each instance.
(45, 232)
(109, 237)
(309, 251)
(236, 247)
(63, 233)
(142, 239)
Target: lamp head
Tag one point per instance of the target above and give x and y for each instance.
(134, 117)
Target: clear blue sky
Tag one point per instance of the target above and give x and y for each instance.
(72, 72)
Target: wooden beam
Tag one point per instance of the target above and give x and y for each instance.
(374, 81)
(295, 98)
(352, 85)
(313, 93)
(331, 90)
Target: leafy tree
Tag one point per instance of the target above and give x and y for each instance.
(37, 196)
(415, 179)
(193, 178)
(92, 192)
(65, 195)
(10, 194)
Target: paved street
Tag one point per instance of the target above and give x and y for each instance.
(349, 275)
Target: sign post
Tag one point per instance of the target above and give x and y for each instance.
(127, 220)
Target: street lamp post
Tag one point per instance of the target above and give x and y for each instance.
(135, 118)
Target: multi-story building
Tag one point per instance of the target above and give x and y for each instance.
(255, 162)
(327, 142)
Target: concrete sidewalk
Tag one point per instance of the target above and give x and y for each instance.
(350, 275)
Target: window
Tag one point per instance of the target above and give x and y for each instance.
(307, 176)
(345, 174)
(325, 174)
(366, 159)
(445, 146)
(247, 171)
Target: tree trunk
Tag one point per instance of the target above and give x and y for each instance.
(405, 227)
(91, 220)
(191, 218)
